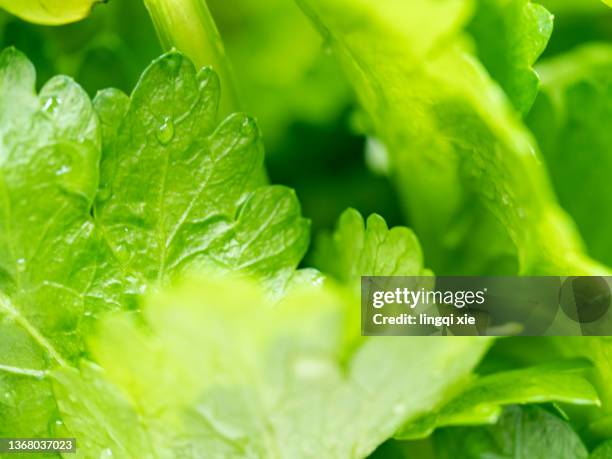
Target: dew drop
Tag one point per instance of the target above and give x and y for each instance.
(172, 61)
(51, 104)
(21, 265)
(55, 425)
(248, 127)
(64, 169)
(106, 453)
(165, 133)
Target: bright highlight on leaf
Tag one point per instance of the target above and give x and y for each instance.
(50, 12)
(235, 357)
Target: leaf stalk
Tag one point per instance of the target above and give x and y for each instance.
(188, 26)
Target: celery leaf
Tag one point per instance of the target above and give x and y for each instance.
(256, 379)
(521, 433)
(455, 141)
(355, 249)
(510, 36)
(100, 202)
(483, 400)
(567, 118)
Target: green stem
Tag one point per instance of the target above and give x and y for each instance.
(188, 26)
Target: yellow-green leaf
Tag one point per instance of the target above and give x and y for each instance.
(50, 12)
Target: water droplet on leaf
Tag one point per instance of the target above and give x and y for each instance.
(64, 169)
(106, 454)
(172, 61)
(165, 133)
(51, 104)
(248, 127)
(21, 265)
(55, 426)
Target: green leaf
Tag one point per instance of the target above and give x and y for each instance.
(521, 433)
(50, 12)
(603, 451)
(567, 120)
(595, 422)
(356, 249)
(483, 400)
(599, 351)
(204, 203)
(510, 36)
(577, 9)
(256, 379)
(96, 208)
(52, 265)
(456, 145)
(107, 419)
(393, 449)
